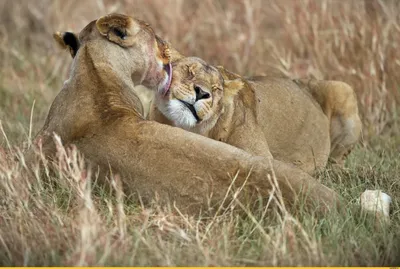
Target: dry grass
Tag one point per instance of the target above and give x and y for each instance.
(55, 219)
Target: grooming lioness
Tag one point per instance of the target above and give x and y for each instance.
(98, 111)
(262, 115)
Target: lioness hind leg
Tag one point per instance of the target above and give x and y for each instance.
(345, 133)
(339, 103)
(345, 123)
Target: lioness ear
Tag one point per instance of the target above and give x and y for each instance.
(119, 29)
(231, 88)
(67, 40)
(169, 50)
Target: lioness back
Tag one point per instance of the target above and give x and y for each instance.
(294, 125)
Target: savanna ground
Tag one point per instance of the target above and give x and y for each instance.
(58, 220)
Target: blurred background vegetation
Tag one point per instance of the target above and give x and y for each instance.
(356, 41)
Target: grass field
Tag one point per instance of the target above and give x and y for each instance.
(60, 220)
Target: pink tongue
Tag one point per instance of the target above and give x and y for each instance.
(169, 71)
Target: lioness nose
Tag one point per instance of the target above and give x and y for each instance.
(200, 94)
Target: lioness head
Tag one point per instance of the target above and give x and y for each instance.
(126, 43)
(197, 94)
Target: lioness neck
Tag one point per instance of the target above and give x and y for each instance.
(226, 122)
(94, 91)
(111, 87)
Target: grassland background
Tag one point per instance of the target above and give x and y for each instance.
(356, 41)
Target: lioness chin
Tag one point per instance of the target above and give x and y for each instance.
(263, 115)
(98, 111)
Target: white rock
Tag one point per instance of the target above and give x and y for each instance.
(376, 201)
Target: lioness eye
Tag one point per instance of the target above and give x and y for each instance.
(119, 33)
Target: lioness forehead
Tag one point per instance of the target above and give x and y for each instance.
(91, 31)
(204, 70)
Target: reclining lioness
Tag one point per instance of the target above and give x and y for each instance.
(98, 111)
(262, 115)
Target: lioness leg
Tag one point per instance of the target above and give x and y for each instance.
(339, 103)
(345, 133)
(240, 138)
(293, 171)
(192, 171)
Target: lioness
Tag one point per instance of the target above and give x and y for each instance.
(262, 115)
(98, 111)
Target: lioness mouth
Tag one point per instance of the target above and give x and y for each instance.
(165, 89)
(191, 108)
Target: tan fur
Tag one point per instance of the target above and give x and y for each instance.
(264, 115)
(99, 111)
(339, 103)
